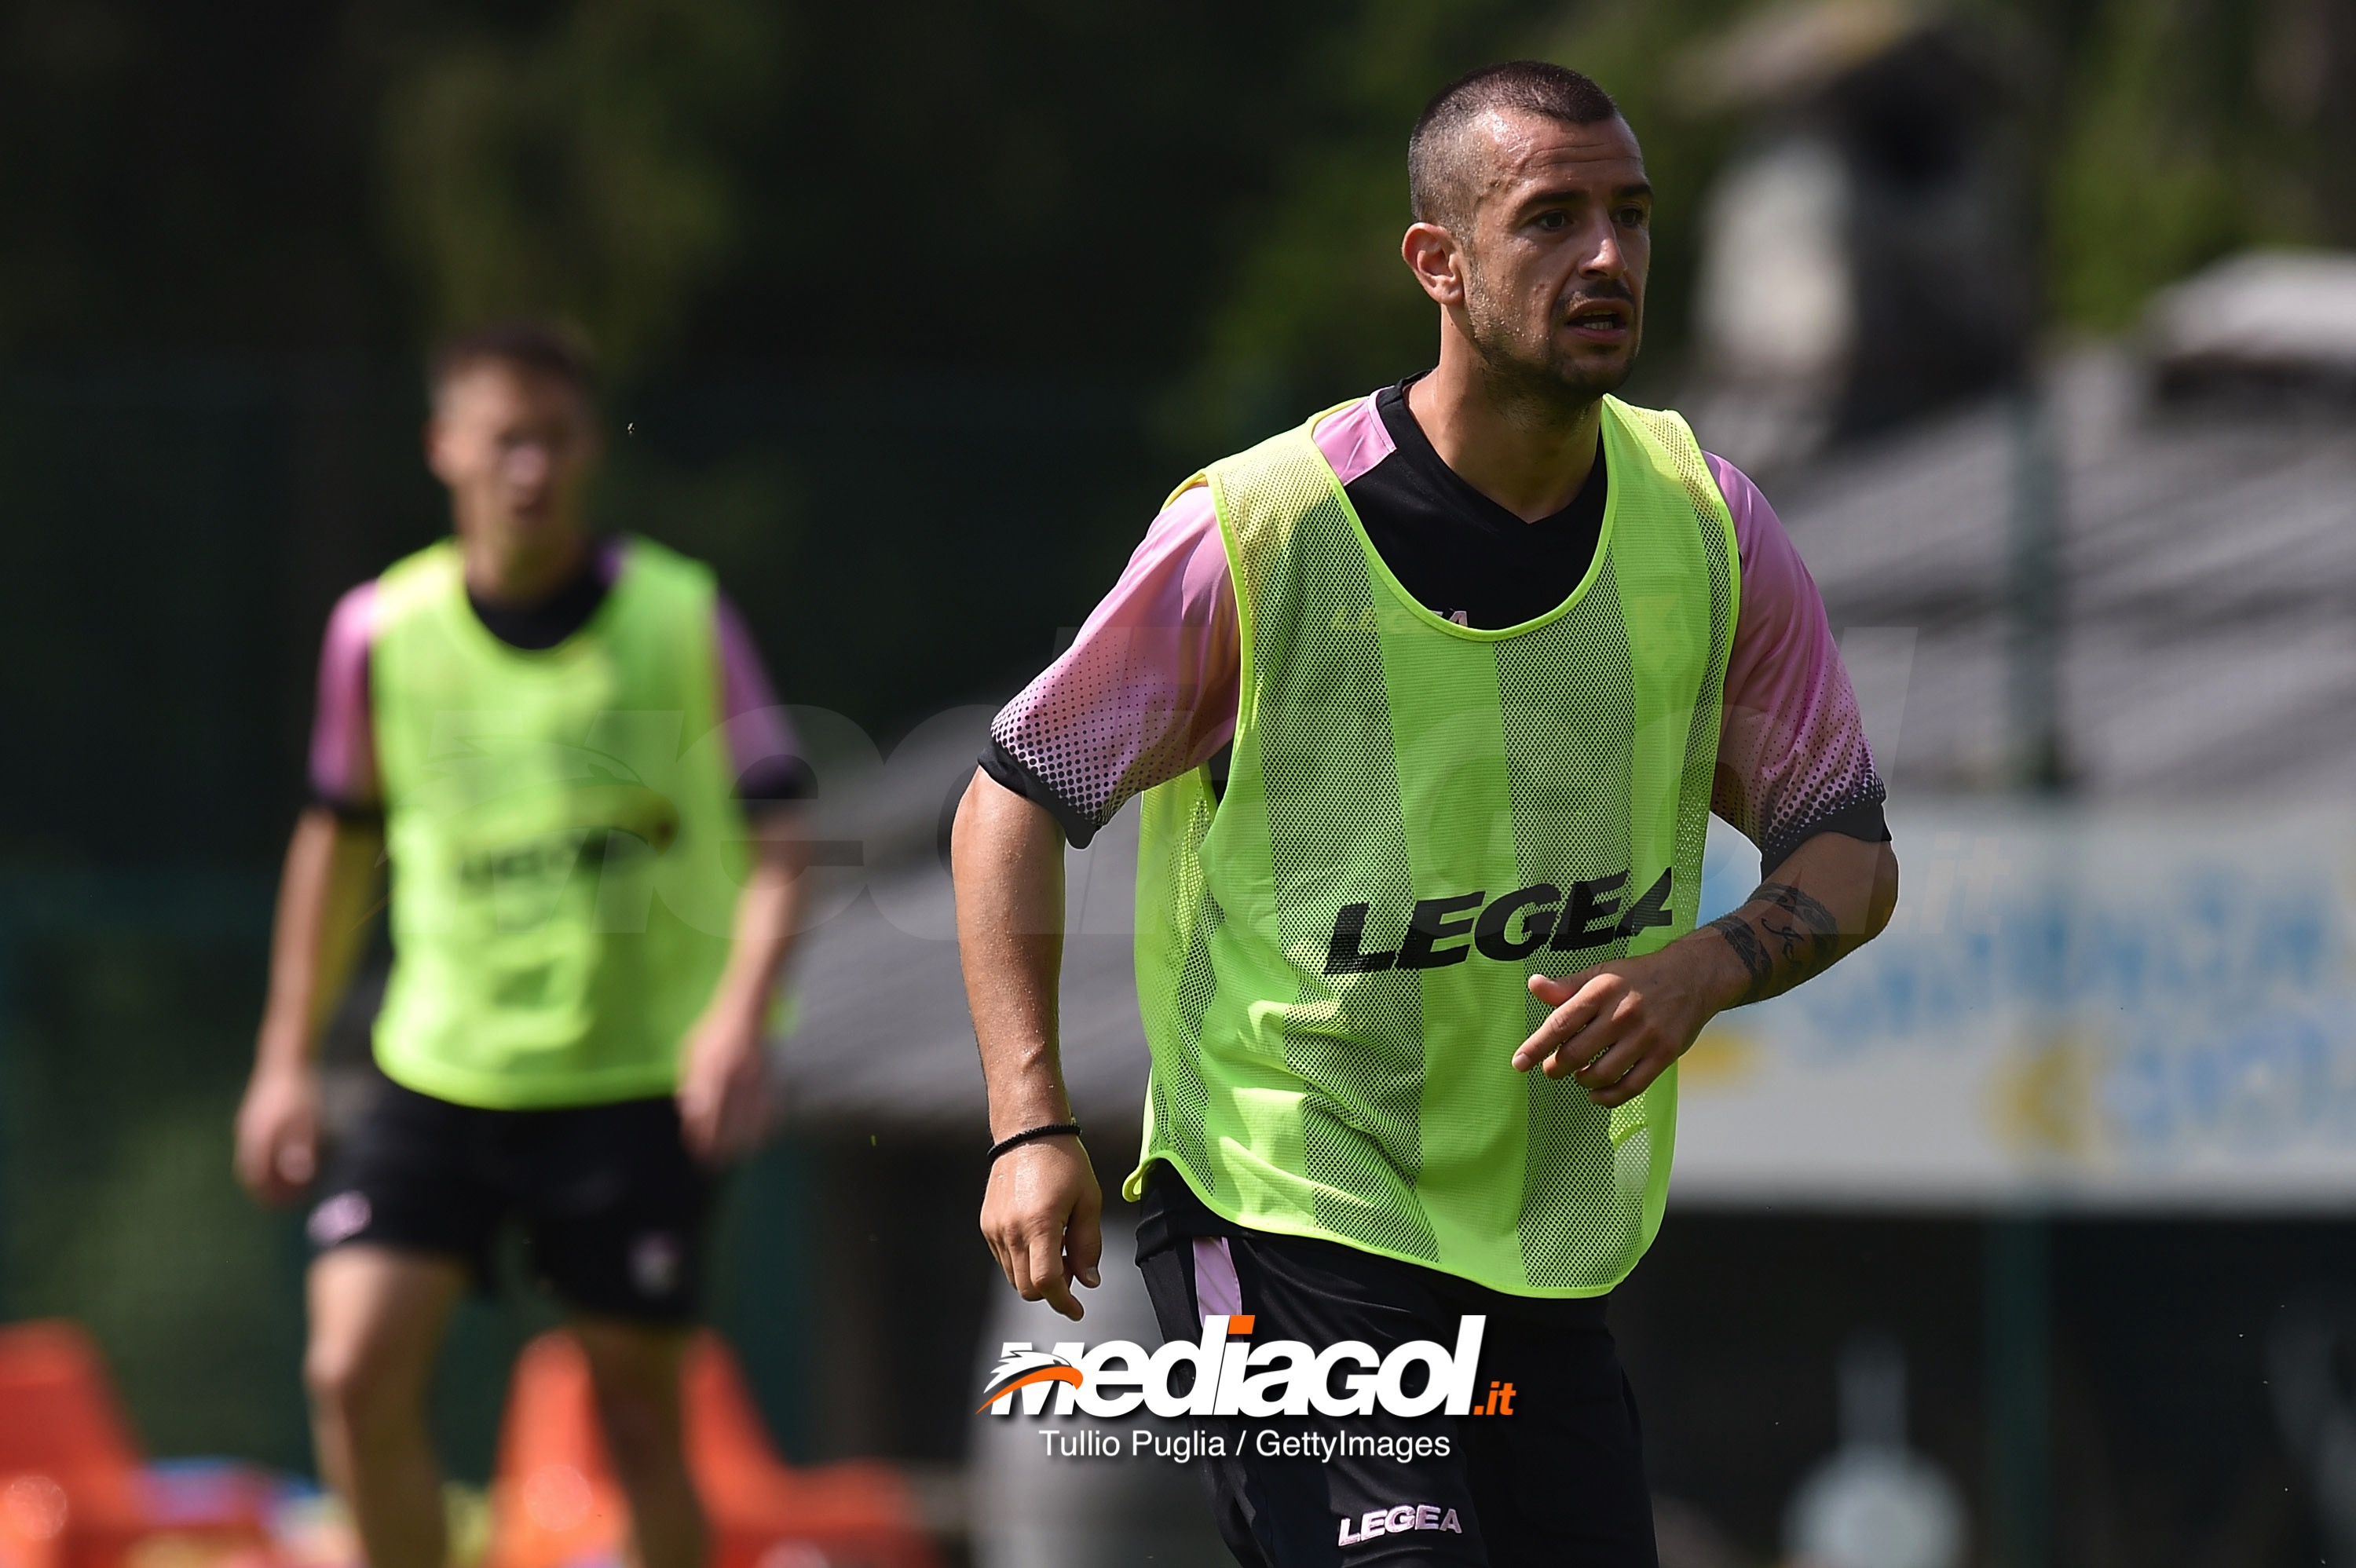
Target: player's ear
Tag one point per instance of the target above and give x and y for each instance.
(1430, 253)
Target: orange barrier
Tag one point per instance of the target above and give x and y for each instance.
(555, 1502)
(72, 1493)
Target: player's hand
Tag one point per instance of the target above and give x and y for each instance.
(725, 1106)
(1042, 1216)
(278, 1132)
(1619, 1025)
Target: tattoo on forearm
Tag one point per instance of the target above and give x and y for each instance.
(1793, 939)
(1747, 947)
(1808, 930)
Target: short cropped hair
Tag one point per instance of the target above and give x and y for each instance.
(1438, 173)
(543, 347)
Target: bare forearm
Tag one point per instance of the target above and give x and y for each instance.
(1832, 896)
(1008, 858)
(768, 917)
(1617, 1027)
(323, 896)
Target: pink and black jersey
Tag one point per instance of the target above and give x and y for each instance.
(1149, 688)
(343, 767)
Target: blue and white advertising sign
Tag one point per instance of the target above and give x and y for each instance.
(2085, 1006)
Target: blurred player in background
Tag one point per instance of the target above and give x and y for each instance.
(1428, 701)
(568, 752)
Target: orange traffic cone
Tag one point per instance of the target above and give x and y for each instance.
(555, 1502)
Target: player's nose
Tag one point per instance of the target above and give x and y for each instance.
(1604, 258)
(529, 465)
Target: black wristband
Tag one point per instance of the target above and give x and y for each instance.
(1029, 1135)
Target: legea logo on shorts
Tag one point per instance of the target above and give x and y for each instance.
(1235, 1377)
(1398, 1521)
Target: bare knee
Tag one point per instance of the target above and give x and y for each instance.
(359, 1384)
(375, 1326)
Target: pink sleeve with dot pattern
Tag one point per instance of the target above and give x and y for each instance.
(762, 746)
(343, 733)
(1148, 689)
(1792, 754)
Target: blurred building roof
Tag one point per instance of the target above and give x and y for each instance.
(2285, 317)
(2206, 653)
(1785, 54)
(2207, 552)
(882, 1039)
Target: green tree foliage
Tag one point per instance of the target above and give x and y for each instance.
(584, 167)
(2185, 131)
(2163, 134)
(1208, 194)
(1319, 305)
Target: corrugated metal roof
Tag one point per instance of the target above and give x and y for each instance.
(2208, 557)
(883, 1038)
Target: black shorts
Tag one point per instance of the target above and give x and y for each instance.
(611, 1202)
(1559, 1480)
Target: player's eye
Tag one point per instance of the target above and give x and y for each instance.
(1633, 217)
(1553, 221)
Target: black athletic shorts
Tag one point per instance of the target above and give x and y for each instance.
(610, 1203)
(1559, 1480)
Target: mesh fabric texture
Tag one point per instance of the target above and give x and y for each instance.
(1385, 760)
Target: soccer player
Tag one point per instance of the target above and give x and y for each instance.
(557, 741)
(1428, 701)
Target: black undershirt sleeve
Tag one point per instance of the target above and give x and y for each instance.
(777, 781)
(351, 812)
(1866, 820)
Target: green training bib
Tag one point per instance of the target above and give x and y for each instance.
(1332, 955)
(565, 842)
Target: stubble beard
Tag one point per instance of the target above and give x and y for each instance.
(1539, 380)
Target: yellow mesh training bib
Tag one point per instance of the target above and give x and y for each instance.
(1332, 955)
